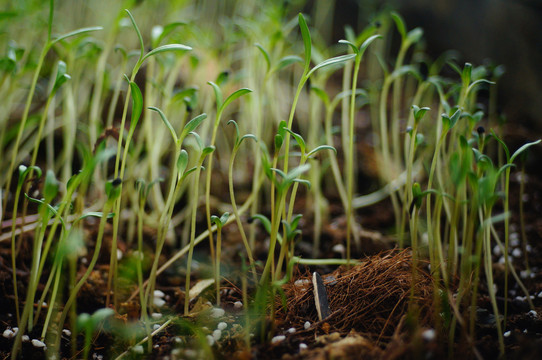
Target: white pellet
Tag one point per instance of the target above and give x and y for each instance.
(277, 339)
(507, 333)
(119, 254)
(237, 304)
(155, 327)
(66, 332)
(222, 325)
(217, 312)
(532, 314)
(291, 330)
(25, 338)
(217, 334)
(8, 333)
(138, 349)
(159, 293)
(210, 340)
(429, 335)
(516, 253)
(159, 302)
(307, 325)
(303, 346)
(156, 316)
(38, 344)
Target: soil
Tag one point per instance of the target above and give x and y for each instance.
(369, 302)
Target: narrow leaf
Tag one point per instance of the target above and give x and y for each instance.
(76, 32)
(182, 163)
(192, 125)
(141, 45)
(333, 61)
(137, 105)
(218, 94)
(265, 55)
(400, 24)
(166, 122)
(307, 42)
(234, 96)
(164, 48)
(522, 149)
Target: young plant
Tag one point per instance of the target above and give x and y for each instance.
(219, 222)
(90, 324)
(204, 152)
(238, 141)
(220, 107)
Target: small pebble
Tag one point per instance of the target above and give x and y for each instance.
(159, 302)
(507, 333)
(222, 325)
(38, 344)
(307, 325)
(291, 330)
(159, 293)
(497, 250)
(178, 340)
(138, 349)
(429, 335)
(540, 294)
(66, 332)
(302, 282)
(277, 339)
(155, 327)
(210, 340)
(238, 305)
(119, 254)
(217, 312)
(303, 346)
(532, 314)
(97, 356)
(156, 346)
(15, 330)
(8, 334)
(217, 334)
(156, 316)
(25, 338)
(339, 248)
(517, 253)
(190, 353)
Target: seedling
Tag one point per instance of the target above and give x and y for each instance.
(219, 222)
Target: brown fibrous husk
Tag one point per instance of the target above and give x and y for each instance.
(370, 298)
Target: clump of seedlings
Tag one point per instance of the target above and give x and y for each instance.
(125, 172)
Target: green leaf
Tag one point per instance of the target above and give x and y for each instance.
(222, 77)
(248, 136)
(295, 221)
(285, 61)
(224, 218)
(265, 55)
(100, 316)
(137, 105)
(366, 43)
(198, 140)
(296, 172)
(264, 220)
(414, 35)
(321, 94)
(236, 129)
(333, 61)
(97, 214)
(164, 48)
(218, 94)
(307, 183)
(466, 73)
(355, 49)
(299, 139)
(166, 122)
(51, 186)
(234, 96)
(182, 163)
(207, 150)
(522, 149)
(165, 31)
(113, 189)
(320, 148)
(419, 112)
(141, 45)
(192, 125)
(478, 82)
(307, 42)
(61, 76)
(24, 171)
(400, 24)
(76, 32)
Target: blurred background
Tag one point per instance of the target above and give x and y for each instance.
(498, 32)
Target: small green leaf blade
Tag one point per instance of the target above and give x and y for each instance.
(307, 42)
